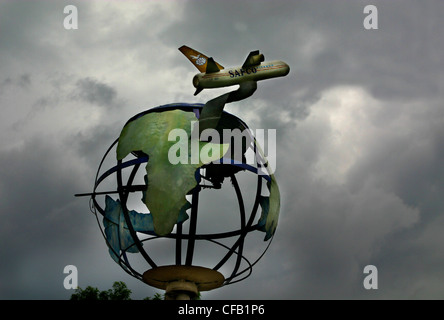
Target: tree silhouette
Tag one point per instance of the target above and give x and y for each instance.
(119, 291)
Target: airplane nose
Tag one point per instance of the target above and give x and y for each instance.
(286, 69)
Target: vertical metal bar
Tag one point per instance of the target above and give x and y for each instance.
(193, 219)
(179, 244)
(193, 222)
(242, 216)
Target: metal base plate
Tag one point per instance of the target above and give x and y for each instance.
(205, 279)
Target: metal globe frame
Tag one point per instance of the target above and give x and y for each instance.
(242, 266)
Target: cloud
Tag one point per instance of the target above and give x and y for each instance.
(91, 91)
(335, 225)
(359, 125)
(39, 211)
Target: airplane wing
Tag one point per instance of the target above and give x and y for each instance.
(201, 61)
(253, 59)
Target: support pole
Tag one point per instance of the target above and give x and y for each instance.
(181, 290)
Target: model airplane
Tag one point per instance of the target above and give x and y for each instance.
(213, 75)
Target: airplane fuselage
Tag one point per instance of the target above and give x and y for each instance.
(232, 76)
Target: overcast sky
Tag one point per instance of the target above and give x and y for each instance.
(360, 136)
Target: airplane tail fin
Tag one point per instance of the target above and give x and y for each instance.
(198, 59)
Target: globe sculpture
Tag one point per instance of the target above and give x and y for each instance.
(148, 195)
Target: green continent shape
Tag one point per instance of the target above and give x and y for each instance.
(168, 183)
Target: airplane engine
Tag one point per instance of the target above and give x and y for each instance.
(257, 59)
(196, 81)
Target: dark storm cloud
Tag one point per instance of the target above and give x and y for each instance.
(325, 45)
(91, 91)
(39, 213)
(23, 81)
(359, 136)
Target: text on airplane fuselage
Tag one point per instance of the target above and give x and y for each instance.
(241, 72)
